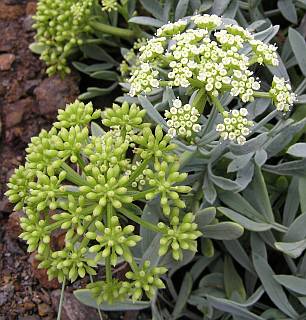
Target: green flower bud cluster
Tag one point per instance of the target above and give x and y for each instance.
(83, 183)
(128, 117)
(180, 235)
(144, 280)
(18, 187)
(69, 263)
(114, 240)
(110, 291)
(163, 180)
(60, 27)
(76, 113)
(109, 5)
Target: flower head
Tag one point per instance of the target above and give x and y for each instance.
(109, 5)
(282, 95)
(235, 126)
(181, 235)
(182, 119)
(89, 179)
(60, 27)
(145, 280)
(201, 52)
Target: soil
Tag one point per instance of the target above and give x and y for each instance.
(28, 102)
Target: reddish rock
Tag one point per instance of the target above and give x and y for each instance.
(8, 12)
(41, 274)
(72, 308)
(54, 93)
(30, 8)
(13, 228)
(6, 61)
(44, 309)
(16, 111)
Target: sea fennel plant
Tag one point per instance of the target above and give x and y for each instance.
(249, 178)
(85, 184)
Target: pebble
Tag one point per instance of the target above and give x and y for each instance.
(6, 61)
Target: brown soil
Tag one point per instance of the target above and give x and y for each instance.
(28, 103)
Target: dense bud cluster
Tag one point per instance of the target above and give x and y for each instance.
(180, 235)
(60, 27)
(109, 5)
(83, 183)
(235, 126)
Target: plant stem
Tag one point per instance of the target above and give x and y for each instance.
(138, 171)
(108, 267)
(114, 31)
(199, 100)
(261, 94)
(132, 216)
(61, 300)
(142, 194)
(99, 311)
(72, 176)
(81, 162)
(217, 104)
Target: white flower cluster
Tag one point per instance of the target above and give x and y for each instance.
(144, 79)
(281, 94)
(235, 126)
(171, 28)
(206, 21)
(182, 120)
(194, 54)
(264, 53)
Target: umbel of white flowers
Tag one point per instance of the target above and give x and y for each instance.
(182, 119)
(203, 52)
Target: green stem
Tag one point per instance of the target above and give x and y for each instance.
(99, 311)
(142, 194)
(138, 171)
(81, 162)
(61, 300)
(114, 31)
(217, 104)
(199, 100)
(132, 216)
(72, 176)
(108, 267)
(261, 94)
(252, 60)
(132, 263)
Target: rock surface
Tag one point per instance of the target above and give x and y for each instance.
(72, 308)
(6, 61)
